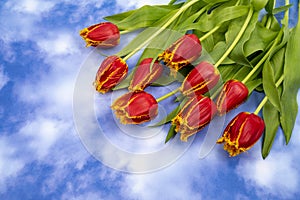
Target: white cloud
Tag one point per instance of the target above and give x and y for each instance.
(58, 44)
(9, 164)
(3, 78)
(134, 3)
(277, 175)
(43, 133)
(30, 6)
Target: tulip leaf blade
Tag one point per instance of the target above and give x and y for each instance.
(271, 119)
(269, 85)
(238, 53)
(142, 17)
(253, 84)
(171, 133)
(270, 6)
(261, 37)
(163, 81)
(172, 114)
(217, 17)
(291, 83)
(144, 35)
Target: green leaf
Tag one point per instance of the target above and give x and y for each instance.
(238, 53)
(271, 119)
(242, 73)
(269, 85)
(291, 83)
(215, 1)
(217, 17)
(144, 35)
(172, 2)
(164, 80)
(252, 85)
(228, 71)
(171, 133)
(120, 16)
(270, 5)
(282, 9)
(260, 39)
(143, 17)
(277, 63)
(172, 114)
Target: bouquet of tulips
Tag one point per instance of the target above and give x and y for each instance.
(220, 51)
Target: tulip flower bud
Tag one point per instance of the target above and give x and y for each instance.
(111, 72)
(181, 53)
(200, 80)
(232, 95)
(194, 115)
(143, 76)
(135, 107)
(104, 35)
(242, 133)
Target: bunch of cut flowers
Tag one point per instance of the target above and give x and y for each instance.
(219, 52)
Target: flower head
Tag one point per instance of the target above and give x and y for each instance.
(144, 76)
(111, 72)
(103, 35)
(242, 132)
(182, 53)
(135, 107)
(194, 115)
(233, 93)
(200, 80)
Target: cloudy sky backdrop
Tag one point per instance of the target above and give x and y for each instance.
(42, 155)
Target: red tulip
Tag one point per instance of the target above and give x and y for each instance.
(103, 35)
(242, 133)
(143, 76)
(111, 72)
(232, 95)
(194, 116)
(200, 80)
(135, 107)
(181, 53)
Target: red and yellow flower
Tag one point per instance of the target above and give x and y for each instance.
(182, 53)
(111, 72)
(233, 93)
(194, 115)
(144, 75)
(242, 133)
(200, 80)
(135, 107)
(104, 35)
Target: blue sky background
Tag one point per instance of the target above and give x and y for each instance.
(41, 154)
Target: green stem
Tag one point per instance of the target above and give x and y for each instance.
(286, 13)
(209, 33)
(269, 22)
(265, 99)
(125, 31)
(256, 67)
(238, 37)
(168, 95)
(181, 10)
